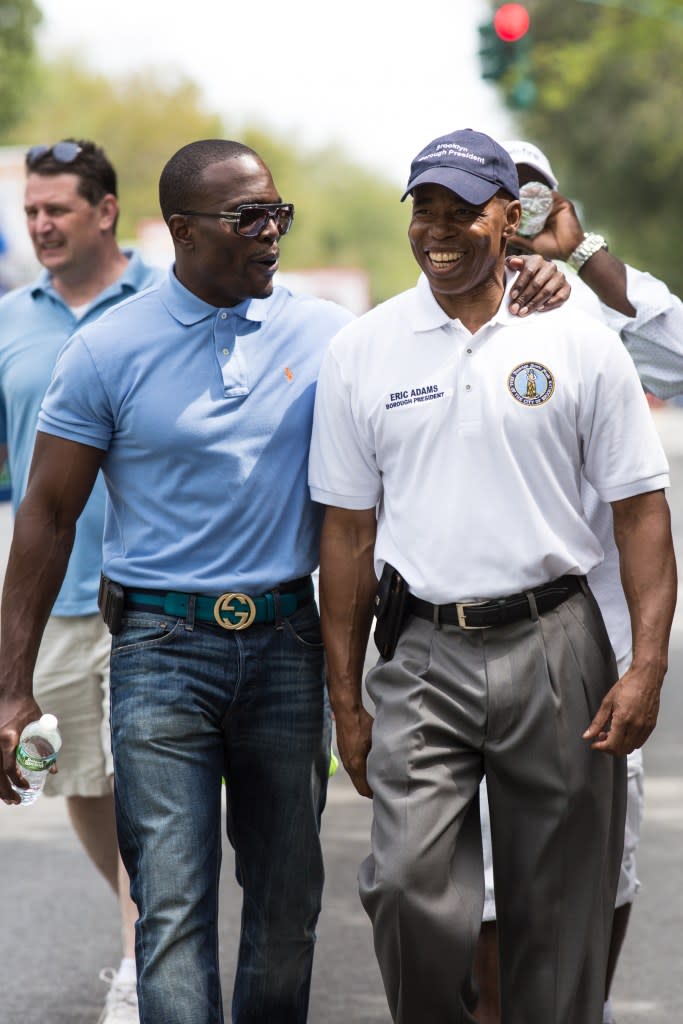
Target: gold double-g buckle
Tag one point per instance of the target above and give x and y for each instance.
(460, 611)
(244, 616)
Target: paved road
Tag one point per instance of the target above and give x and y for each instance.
(58, 921)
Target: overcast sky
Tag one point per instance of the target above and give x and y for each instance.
(379, 77)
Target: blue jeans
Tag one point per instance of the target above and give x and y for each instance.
(191, 703)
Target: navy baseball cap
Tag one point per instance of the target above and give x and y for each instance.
(469, 163)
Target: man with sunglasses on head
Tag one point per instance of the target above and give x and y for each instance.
(196, 401)
(71, 211)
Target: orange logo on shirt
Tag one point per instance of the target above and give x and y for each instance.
(288, 374)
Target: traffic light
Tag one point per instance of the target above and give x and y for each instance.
(504, 53)
(511, 22)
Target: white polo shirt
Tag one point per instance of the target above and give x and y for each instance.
(472, 445)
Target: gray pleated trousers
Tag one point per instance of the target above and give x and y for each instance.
(512, 702)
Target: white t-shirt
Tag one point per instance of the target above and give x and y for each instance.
(654, 340)
(472, 447)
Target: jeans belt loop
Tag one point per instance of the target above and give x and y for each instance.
(274, 596)
(437, 617)
(533, 608)
(189, 615)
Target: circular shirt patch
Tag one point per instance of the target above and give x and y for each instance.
(531, 383)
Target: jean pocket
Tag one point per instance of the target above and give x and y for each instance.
(304, 627)
(144, 629)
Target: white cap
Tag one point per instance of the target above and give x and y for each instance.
(526, 153)
(48, 722)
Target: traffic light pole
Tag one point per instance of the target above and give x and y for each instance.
(504, 54)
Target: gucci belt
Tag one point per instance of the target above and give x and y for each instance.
(232, 610)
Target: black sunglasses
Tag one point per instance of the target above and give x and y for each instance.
(62, 152)
(251, 218)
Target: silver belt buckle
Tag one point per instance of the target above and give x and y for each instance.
(460, 611)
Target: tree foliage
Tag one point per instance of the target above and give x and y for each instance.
(140, 120)
(345, 216)
(18, 21)
(608, 75)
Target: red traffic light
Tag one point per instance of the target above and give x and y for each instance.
(511, 22)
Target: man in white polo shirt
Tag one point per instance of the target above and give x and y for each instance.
(449, 444)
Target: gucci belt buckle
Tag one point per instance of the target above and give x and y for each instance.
(240, 606)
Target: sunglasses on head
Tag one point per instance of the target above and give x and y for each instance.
(251, 218)
(62, 152)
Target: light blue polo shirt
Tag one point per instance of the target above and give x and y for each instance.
(205, 416)
(35, 322)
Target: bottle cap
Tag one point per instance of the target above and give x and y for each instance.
(49, 722)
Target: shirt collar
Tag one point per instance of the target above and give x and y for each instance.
(429, 316)
(427, 313)
(187, 308)
(503, 314)
(131, 280)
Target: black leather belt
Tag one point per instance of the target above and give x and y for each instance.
(499, 611)
(230, 610)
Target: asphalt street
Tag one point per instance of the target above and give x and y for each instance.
(58, 924)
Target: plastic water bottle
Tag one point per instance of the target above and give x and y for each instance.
(537, 202)
(38, 747)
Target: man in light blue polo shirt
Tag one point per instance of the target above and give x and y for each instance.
(71, 211)
(196, 400)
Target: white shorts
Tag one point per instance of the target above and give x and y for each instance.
(71, 681)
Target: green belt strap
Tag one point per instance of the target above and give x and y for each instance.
(176, 604)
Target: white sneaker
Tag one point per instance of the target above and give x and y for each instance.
(121, 1004)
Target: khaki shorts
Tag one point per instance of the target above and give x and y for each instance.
(71, 681)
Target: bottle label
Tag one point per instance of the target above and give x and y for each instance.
(34, 764)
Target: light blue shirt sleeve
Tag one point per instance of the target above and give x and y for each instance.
(76, 406)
